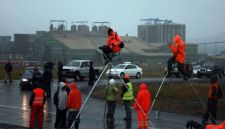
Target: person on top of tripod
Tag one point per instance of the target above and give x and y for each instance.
(178, 50)
(114, 45)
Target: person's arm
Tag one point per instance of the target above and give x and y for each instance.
(138, 99)
(173, 48)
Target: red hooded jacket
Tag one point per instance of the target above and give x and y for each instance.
(114, 41)
(143, 98)
(74, 99)
(178, 49)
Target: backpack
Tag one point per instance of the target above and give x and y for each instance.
(121, 44)
(219, 93)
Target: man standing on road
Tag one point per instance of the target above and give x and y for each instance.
(60, 70)
(178, 50)
(91, 75)
(37, 102)
(144, 101)
(8, 70)
(60, 100)
(111, 92)
(48, 79)
(74, 105)
(127, 96)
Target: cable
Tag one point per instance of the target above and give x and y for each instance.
(109, 62)
(158, 92)
(88, 97)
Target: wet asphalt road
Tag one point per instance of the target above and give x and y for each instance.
(14, 109)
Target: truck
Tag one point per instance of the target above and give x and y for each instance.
(79, 69)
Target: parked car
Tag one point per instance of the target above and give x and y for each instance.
(127, 68)
(187, 67)
(215, 68)
(79, 69)
(196, 68)
(29, 76)
(204, 72)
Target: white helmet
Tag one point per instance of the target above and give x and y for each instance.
(112, 81)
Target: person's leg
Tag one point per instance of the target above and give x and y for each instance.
(107, 51)
(180, 68)
(32, 116)
(113, 109)
(77, 121)
(9, 75)
(108, 115)
(63, 115)
(127, 105)
(40, 117)
(213, 110)
(169, 65)
(57, 119)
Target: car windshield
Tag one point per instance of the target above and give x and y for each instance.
(121, 66)
(29, 72)
(74, 63)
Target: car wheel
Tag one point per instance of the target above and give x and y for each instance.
(122, 75)
(138, 75)
(76, 76)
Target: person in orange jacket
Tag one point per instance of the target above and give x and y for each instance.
(74, 105)
(178, 50)
(37, 101)
(144, 100)
(221, 126)
(114, 45)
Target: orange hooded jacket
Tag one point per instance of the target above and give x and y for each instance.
(178, 49)
(144, 100)
(221, 126)
(74, 99)
(114, 41)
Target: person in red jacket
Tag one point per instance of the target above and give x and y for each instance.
(37, 102)
(73, 105)
(221, 126)
(178, 50)
(213, 97)
(144, 100)
(114, 45)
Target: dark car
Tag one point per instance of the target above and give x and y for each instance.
(30, 76)
(214, 68)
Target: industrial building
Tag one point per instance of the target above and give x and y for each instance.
(160, 31)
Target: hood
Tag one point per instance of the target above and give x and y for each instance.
(61, 85)
(177, 39)
(143, 86)
(69, 67)
(73, 86)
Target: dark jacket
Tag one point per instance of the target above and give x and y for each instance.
(8, 67)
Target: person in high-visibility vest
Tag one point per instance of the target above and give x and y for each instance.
(37, 101)
(144, 101)
(127, 96)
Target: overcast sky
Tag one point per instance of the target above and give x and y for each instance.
(203, 18)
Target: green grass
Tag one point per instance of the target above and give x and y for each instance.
(177, 98)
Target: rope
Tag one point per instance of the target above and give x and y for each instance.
(158, 92)
(197, 94)
(88, 97)
(128, 89)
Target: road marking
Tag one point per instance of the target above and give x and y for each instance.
(6, 106)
